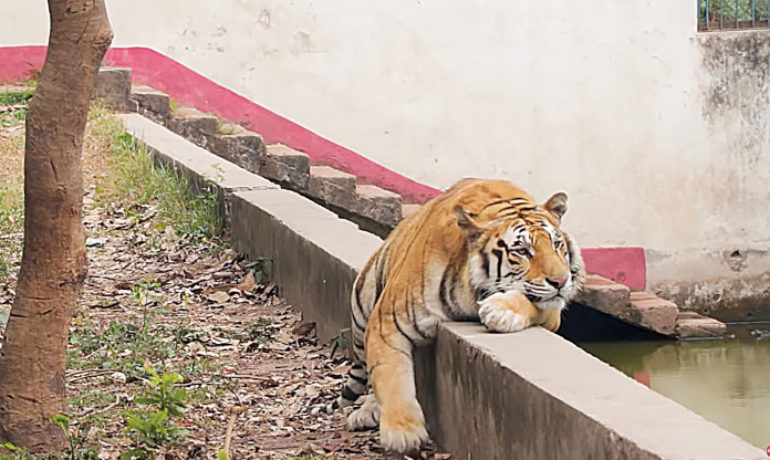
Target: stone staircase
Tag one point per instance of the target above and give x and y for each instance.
(288, 167)
(373, 208)
(646, 310)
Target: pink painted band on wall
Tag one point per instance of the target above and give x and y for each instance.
(622, 265)
(18, 63)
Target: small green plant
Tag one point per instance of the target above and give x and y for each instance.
(153, 429)
(163, 394)
(16, 453)
(144, 294)
(77, 448)
(341, 341)
(262, 270)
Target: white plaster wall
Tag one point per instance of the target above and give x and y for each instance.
(600, 98)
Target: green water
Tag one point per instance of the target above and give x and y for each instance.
(725, 381)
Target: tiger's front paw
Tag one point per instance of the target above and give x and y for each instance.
(494, 314)
(403, 431)
(365, 417)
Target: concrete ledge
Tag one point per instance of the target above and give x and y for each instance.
(529, 395)
(533, 395)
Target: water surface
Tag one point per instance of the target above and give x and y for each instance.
(725, 381)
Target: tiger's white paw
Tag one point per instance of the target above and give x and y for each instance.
(499, 319)
(404, 439)
(365, 417)
(403, 431)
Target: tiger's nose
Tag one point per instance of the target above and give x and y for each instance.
(558, 283)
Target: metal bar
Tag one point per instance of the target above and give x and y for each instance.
(736, 14)
(753, 13)
(707, 13)
(720, 14)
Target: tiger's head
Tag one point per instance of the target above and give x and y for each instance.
(518, 245)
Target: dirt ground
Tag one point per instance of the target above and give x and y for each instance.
(251, 368)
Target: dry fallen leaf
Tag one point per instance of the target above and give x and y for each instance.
(303, 329)
(248, 284)
(218, 297)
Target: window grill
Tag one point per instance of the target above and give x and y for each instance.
(733, 14)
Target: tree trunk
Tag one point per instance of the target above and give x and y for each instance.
(53, 264)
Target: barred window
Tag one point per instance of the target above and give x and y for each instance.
(733, 14)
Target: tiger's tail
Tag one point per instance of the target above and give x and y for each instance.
(358, 376)
(353, 389)
(361, 303)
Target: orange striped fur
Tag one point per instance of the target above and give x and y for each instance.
(484, 250)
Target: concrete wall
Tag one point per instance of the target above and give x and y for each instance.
(658, 133)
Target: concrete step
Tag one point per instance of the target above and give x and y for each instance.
(150, 103)
(694, 325)
(286, 165)
(378, 204)
(242, 147)
(653, 312)
(113, 86)
(645, 309)
(192, 123)
(332, 186)
(276, 162)
(605, 295)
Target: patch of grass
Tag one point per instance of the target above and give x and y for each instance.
(13, 107)
(11, 222)
(135, 179)
(90, 397)
(127, 346)
(16, 97)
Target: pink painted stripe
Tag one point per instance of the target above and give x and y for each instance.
(622, 265)
(18, 63)
(191, 88)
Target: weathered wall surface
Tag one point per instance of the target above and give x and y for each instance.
(658, 133)
(728, 273)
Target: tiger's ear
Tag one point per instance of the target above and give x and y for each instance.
(466, 221)
(557, 205)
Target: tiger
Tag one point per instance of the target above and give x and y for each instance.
(483, 250)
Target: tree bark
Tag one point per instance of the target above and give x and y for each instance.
(53, 264)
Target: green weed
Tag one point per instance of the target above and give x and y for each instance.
(153, 429)
(11, 222)
(10, 451)
(76, 439)
(16, 97)
(136, 179)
